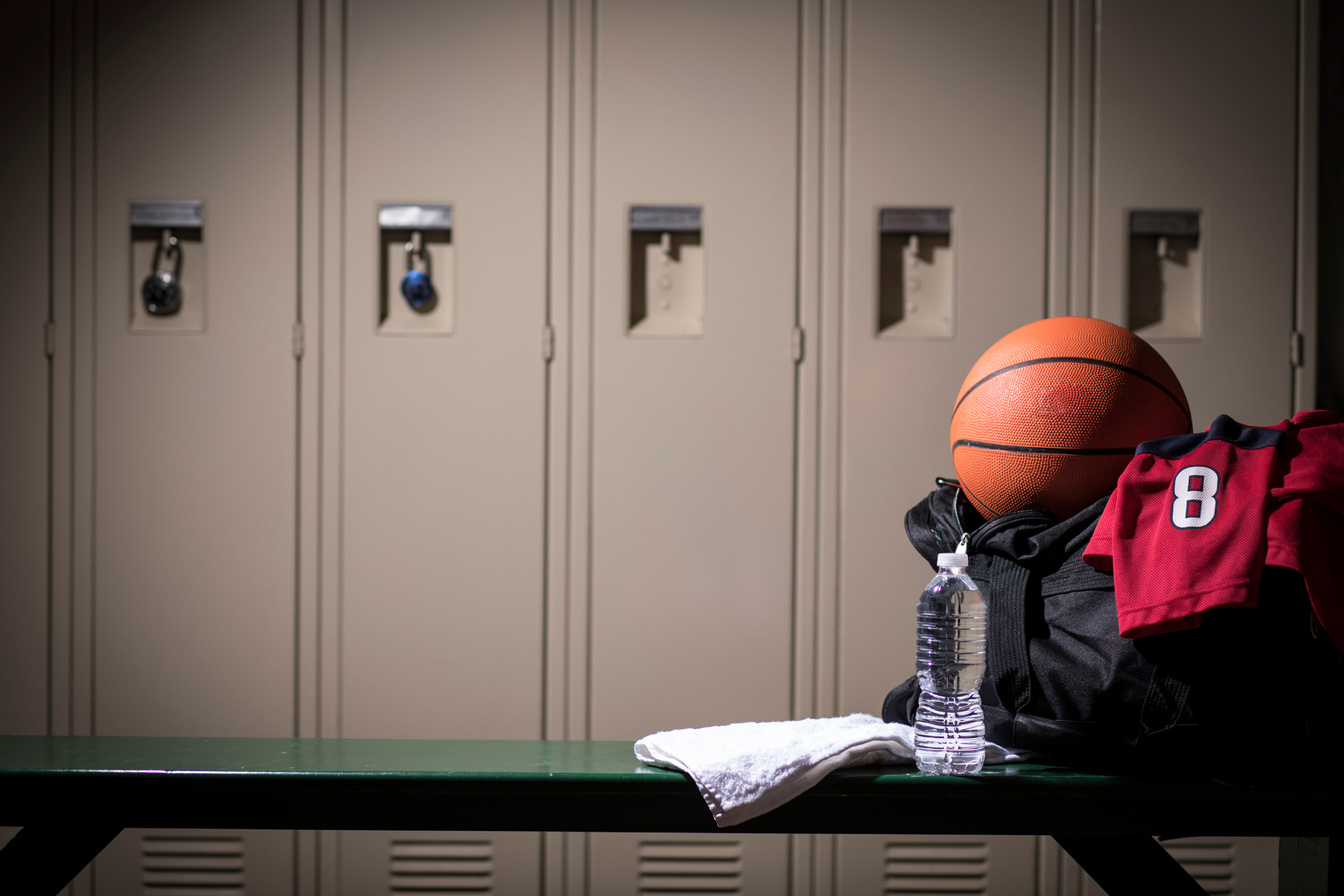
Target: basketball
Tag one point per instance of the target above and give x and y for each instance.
(1051, 414)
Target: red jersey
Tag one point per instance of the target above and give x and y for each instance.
(1194, 518)
(1306, 518)
(1184, 530)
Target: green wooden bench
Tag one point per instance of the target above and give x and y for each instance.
(72, 795)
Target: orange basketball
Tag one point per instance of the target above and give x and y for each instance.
(1051, 414)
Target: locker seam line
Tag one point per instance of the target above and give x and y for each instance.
(298, 385)
(345, 132)
(592, 356)
(1094, 160)
(1050, 129)
(567, 665)
(93, 402)
(796, 371)
(841, 284)
(548, 352)
(71, 528)
(51, 364)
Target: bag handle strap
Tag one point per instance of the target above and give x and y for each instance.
(1009, 662)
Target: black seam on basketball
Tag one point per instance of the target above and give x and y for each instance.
(975, 500)
(1032, 449)
(1143, 376)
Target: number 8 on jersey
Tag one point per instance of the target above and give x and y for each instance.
(1194, 505)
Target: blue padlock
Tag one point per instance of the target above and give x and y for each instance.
(417, 289)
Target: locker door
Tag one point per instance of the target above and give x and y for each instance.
(444, 415)
(964, 131)
(693, 415)
(24, 43)
(946, 114)
(693, 433)
(194, 439)
(1196, 111)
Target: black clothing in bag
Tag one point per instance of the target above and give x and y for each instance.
(1061, 681)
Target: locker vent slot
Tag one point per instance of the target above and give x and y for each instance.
(191, 866)
(925, 867)
(670, 867)
(442, 866)
(1210, 862)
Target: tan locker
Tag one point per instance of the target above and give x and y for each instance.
(444, 426)
(693, 381)
(986, 866)
(24, 44)
(944, 248)
(693, 431)
(1196, 112)
(979, 152)
(194, 440)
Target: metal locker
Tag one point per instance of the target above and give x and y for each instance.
(695, 123)
(978, 152)
(693, 431)
(193, 445)
(1196, 112)
(943, 251)
(24, 368)
(443, 436)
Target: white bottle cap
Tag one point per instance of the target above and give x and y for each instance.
(946, 560)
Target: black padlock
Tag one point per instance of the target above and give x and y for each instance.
(162, 291)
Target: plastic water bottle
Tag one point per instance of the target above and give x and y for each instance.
(950, 664)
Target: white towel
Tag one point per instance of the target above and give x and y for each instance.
(748, 768)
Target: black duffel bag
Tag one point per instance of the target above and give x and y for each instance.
(1063, 684)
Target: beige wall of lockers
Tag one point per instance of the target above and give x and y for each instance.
(298, 509)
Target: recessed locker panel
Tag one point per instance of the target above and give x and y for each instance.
(692, 440)
(984, 866)
(1222, 866)
(686, 864)
(954, 124)
(195, 427)
(24, 44)
(195, 863)
(506, 863)
(443, 433)
(1196, 116)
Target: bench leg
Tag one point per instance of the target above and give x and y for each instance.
(42, 859)
(1130, 866)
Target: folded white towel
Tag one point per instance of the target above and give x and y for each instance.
(748, 768)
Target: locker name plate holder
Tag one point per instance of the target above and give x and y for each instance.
(1164, 274)
(667, 271)
(914, 273)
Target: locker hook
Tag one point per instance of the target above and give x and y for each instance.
(162, 289)
(416, 286)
